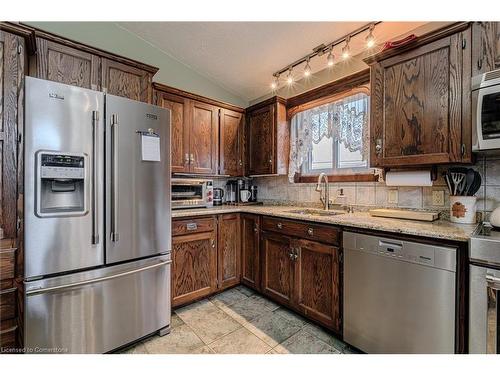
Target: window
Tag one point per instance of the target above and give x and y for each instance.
(332, 137)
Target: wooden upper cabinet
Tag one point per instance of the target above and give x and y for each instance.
(231, 143)
(179, 109)
(420, 103)
(60, 63)
(268, 138)
(229, 252)
(485, 47)
(277, 267)
(250, 259)
(317, 282)
(127, 81)
(203, 138)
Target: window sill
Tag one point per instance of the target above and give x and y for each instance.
(361, 177)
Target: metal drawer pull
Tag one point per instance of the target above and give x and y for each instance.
(213, 244)
(191, 226)
(92, 281)
(279, 225)
(256, 228)
(310, 232)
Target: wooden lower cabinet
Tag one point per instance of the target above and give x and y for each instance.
(194, 266)
(317, 282)
(250, 259)
(277, 267)
(229, 250)
(304, 275)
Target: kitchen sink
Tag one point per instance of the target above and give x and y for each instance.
(308, 211)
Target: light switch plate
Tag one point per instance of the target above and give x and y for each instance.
(438, 197)
(392, 196)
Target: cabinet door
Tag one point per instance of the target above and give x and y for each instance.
(250, 270)
(485, 47)
(60, 63)
(11, 115)
(261, 132)
(229, 263)
(277, 267)
(317, 282)
(127, 81)
(420, 105)
(194, 268)
(230, 143)
(204, 138)
(179, 108)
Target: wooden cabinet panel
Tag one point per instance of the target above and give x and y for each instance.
(63, 64)
(230, 143)
(8, 334)
(229, 251)
(317, 282)
(277, 267)
(127, 81)
(204, 138)
(194, 268)
(250, 270)
(420, 107)
(485, 47)
(8, 303)
(179, 108)
(11, 112)
(261, 132)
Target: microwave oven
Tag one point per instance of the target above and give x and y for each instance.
(486, 112)
(191, 193)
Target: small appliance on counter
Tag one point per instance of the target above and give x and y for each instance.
(218, 196)
(192, 193)
(240, 192)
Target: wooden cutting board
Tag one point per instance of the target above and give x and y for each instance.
(404, 214)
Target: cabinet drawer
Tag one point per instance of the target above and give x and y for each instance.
(7, 263)
(194, 225)
(8, 333)
(316, 232)
(8, 303)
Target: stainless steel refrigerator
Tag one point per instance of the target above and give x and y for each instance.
(97, 219)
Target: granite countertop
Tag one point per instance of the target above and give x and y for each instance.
(442, 229)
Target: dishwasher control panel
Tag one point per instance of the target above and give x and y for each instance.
(410, 251)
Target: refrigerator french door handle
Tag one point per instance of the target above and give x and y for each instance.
(95, 208)
(114, 182)
(96, 280)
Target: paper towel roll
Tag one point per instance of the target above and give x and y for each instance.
(408, 178)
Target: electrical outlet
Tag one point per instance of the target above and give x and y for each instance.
(438, 197)
(392, 196)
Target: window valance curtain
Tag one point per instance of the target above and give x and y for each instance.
(345, 120)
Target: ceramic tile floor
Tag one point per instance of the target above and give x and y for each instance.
(239, 321)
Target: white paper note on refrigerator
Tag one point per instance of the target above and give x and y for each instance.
(150, 146)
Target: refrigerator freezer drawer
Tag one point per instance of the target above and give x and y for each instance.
(100, 310)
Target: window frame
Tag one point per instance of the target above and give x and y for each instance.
(368, 176)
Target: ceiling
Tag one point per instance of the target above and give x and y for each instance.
(242, 56)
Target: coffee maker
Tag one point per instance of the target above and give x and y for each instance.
(236, 189)
(218, 195)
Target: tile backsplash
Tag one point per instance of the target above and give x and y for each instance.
(376, 194)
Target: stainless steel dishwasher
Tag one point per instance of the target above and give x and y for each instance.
(399, 296)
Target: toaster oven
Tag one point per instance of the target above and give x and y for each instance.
(191, 193)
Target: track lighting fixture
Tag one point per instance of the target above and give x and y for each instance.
(307, 69)
(289, 77)
(346, 50)
(330, 58)
(370, 39)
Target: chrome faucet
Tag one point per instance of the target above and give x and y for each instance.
(325, 199)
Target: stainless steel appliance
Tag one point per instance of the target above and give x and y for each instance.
(484, 298)
(192, 193)
(97, 219)
(399, 296)
(253, 192)
(218, 196)
(486, 112)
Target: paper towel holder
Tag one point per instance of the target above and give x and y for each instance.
(433, 170)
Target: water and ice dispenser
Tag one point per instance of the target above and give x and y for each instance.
(61, 184)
